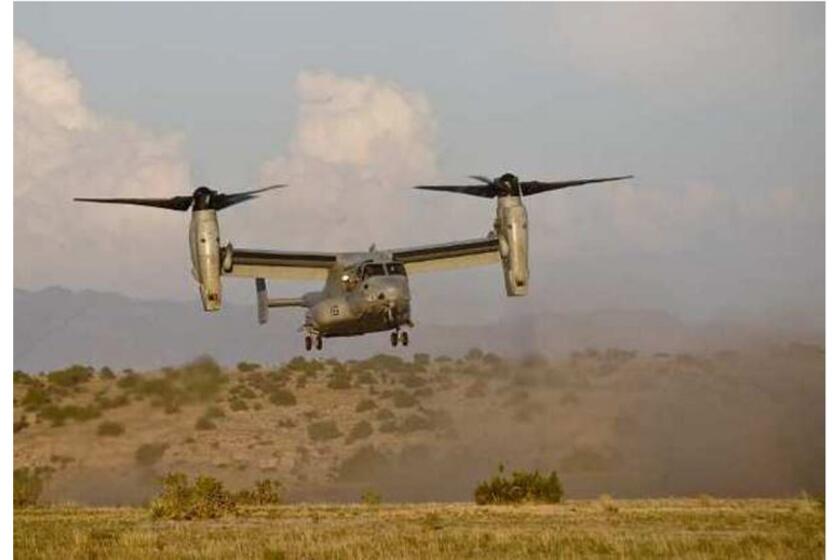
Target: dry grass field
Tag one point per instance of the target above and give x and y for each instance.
(601, 528)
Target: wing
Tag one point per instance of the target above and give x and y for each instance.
(446, 256)
(280, 265)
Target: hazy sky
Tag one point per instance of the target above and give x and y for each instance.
(718, 109)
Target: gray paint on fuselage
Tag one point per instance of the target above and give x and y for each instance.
(361, 304)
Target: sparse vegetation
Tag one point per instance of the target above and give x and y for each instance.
(149, 453)
(520, 487)
(245, 367)
(323, 431)
(265, 492)
(365, 404)
(361, 430)
(371, 497)
(28, 485)
(206, 498)
(282, 397)
(110, 429)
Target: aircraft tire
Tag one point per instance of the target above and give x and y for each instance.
(307, 342)
(319, 343)
(394, 339)
(404, 338)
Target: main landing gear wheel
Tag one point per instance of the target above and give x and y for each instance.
(404, 338)
(319, 343)
(307, 341)
(394, 339)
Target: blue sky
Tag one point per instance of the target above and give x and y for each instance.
(718, 109)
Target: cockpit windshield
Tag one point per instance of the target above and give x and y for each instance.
(373, 269)
(395, 269)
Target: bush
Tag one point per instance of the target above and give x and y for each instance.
(340, 380)
(106, 373)
(403, 399)
(237, 405)
(205, 423)
(180, 500)
(414, 423)
(367, 463)
(110, 429)
(265, 493)
(214, 411)
(323, 431)
(384, 414)
(474, 354)
(35, 397)
(245, 367)
(149, 453)
(371, 497)
(28, 485)
(282, 397)
(365, 405)
(70, 377)
(58, 415)
(422, 359)
(361, 430)
(522, 486)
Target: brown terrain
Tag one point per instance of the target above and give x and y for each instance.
(740, 423)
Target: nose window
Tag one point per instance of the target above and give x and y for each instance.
(395, 269)
(373, 270)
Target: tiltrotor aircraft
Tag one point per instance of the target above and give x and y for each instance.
(363, 292)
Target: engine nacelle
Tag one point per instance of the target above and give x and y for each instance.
(512, 230)
(206, 258)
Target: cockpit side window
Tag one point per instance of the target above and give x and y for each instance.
(373, 270)
(395, 269)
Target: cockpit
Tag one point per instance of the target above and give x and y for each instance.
(352, 277)
(380, 269)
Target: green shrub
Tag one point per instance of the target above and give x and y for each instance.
(28, 484)
(414, 423)
(149, 453)
(522, 486)
(422, 359)
(365, 378)
(36, 397)
(70, 377)
(365, 405)
(214, 411)
(403, 399)
(58, 415)
(474, 354)
(206, 498)
(389, 427)
(384, 414)
(205, 423)
(237, 405)
(20, 425)
(367, 463)
(371, 497)
(245, 367)
(412, 381)
(106, 373)
(324, 430)
(19, 376)
(340, 380)
(282, 397)
(110, 429)
(264, 493)
(361, 430)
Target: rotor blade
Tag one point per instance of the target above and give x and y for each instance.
(486, 191)
(482, 178)
(535, 187)
(181, 203)
(221, 200)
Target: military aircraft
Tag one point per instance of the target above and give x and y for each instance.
(364, 292)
